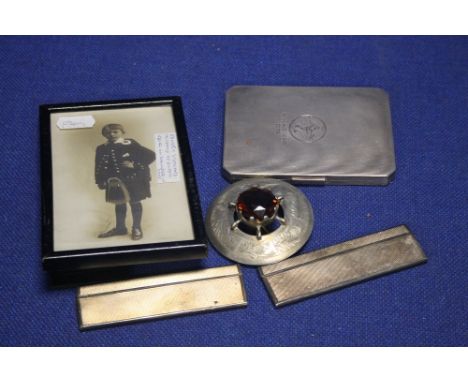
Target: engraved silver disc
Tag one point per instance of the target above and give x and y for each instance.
(246, 248)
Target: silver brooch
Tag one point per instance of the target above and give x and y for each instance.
(259, 221)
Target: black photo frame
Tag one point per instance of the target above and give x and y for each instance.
(65, 174)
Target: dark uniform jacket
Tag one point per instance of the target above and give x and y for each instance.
(108, 164)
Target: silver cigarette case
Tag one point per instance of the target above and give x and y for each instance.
(309, 135)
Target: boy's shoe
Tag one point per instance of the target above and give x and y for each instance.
(137, 234)
(113, 232)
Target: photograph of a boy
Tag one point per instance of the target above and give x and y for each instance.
(122, 170)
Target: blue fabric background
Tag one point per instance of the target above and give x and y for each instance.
(427, 79)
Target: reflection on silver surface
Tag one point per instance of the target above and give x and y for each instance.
(309, 135)
(160, 296)
(340, 265)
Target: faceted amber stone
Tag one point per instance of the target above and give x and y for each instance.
(257, 202)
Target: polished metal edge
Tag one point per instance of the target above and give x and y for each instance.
(102, 303)
(341, 265)
(159, 280)
(334, 249)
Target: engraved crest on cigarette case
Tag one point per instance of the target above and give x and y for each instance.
(307, 128)
(259, 221)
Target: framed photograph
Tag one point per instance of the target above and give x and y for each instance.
(118, 185)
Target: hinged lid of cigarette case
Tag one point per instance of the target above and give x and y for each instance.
(309, 135)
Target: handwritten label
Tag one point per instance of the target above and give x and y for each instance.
(167, 158)
(77, 122)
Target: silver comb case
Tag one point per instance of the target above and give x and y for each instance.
(160, 296)
(341, 265)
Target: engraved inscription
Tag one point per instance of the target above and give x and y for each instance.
(281, 128)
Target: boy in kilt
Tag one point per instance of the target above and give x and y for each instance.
(122, 170)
